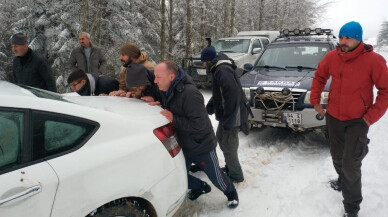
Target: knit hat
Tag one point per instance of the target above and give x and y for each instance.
(208, 54)
(19, 39)
(351, 30)
(136, 75)
(130, 49)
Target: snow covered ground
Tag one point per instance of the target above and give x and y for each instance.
(287, 174)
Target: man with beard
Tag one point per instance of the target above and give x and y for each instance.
(88, 57)
(130, 53)
(354, 69)
(29, 67)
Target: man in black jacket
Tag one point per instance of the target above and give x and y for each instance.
(184, 107)
(86, 84)
(227, 103)
(30, 68)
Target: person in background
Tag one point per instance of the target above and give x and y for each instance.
(87, 56)
(29, 67)
(354, 69)
(130, 53)
(86, 84)
(139, 77)
(184, 107)
(228, 105)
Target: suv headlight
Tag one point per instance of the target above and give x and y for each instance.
(247, 92)
(324, 97)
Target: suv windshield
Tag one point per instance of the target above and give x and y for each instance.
(232, 45)
(300, 56)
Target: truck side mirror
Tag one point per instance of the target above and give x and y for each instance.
(256, 50)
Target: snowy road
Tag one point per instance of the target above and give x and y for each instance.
(287, 174)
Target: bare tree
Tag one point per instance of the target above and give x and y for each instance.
(188, 28)
(163, 29)
(170, 33)
(232, 16)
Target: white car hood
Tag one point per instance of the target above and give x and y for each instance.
(119, 105)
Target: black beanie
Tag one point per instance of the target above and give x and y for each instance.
(208, 54)
(136, 75)
(19, 39)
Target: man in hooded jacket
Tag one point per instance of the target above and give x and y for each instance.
(86, 84)
(184, 107)
(228, 104)
(354, 69)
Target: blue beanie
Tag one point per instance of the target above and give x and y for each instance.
(208, 54)
(351, 30)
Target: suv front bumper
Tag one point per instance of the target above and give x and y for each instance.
(302, 120)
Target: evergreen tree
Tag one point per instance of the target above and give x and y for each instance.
(382, 38)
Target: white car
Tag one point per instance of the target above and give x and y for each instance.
(86, 156)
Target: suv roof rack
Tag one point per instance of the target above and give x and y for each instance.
(305, 32)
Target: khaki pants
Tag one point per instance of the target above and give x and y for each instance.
(348, 147)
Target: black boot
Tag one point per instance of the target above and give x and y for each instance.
(336, 184)
(225, 169)
(194, 194)
(232, 199)
(195, 168)
(351, 214)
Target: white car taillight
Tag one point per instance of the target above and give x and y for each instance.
(166, 135)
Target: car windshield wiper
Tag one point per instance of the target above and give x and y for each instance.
(227, 51)
(301, 67)
(272, 67)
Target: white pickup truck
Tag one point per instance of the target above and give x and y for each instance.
(242, 49)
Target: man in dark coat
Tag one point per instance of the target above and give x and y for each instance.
(86, 84)
(139, 77)
(184, 107)
(30, 68)
(228, 105)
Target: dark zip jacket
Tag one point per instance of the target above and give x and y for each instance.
(227, 101)
(191, 121)
(101, 84)
(33, 70)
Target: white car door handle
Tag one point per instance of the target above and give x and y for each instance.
(22, 195)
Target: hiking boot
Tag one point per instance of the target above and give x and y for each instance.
(195, 168)
(351, 214)
(236, 180)
(232, 199)
(225, 169)
(194, 194)
(336, 184)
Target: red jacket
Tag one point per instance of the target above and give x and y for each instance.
(353, 76)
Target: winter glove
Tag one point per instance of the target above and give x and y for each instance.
(210, 107)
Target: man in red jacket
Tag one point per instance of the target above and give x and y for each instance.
(355, 69)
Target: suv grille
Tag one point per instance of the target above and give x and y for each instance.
(275, 100)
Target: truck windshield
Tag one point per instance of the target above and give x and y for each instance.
(291, 56)
(232, 45)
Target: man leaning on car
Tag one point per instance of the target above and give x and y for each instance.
(184, 107)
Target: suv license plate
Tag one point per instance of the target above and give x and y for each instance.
(201, 71)
(294, 118)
